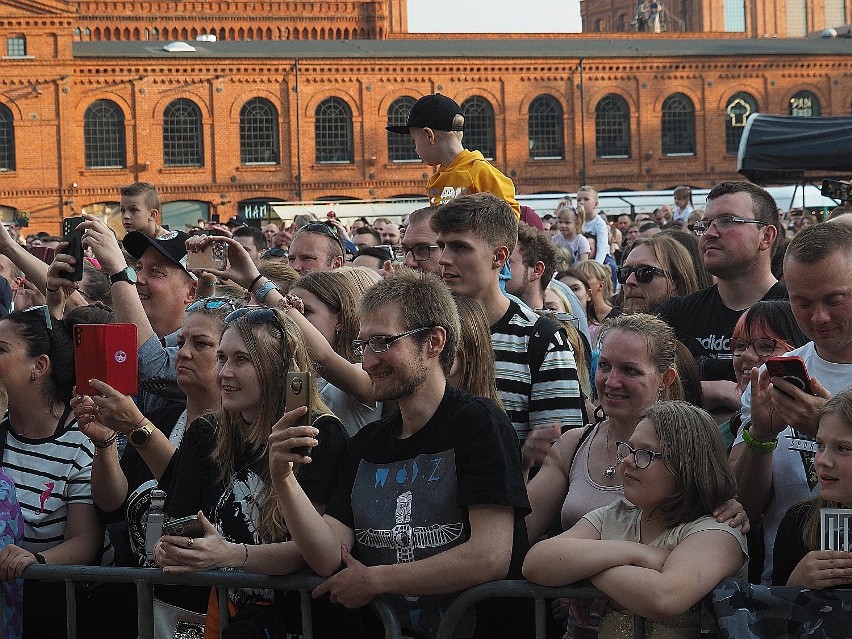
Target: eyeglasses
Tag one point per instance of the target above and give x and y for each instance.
(381, 343)
(763, 346)
(644, 274)
(45, 311)
(256, 315)
(642, 457)
(562, 317)
(212, 304)
(723, 223)
(273, 252)
(324, 229)
(421, 253)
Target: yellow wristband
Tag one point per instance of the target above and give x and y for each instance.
(761, 447)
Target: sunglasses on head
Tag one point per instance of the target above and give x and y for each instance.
(256, 315)
(212, 304)
(324, 229)
(273, 252)
(644, 274)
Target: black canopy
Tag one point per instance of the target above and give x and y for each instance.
(778, 149)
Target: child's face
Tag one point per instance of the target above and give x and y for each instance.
(833, 461)
(567, 223)
(586, 202)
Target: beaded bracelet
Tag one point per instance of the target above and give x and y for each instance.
(292, 301)
(761, 447)
(109, 441)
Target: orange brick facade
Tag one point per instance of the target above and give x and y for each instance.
(48, 92)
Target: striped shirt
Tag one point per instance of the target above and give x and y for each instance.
(534, 398)
(49, 474)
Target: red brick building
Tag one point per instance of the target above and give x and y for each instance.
(228, 126)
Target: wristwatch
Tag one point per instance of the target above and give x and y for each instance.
(124, 275)
(140, 435)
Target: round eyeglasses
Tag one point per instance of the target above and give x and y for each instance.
(763, 346)
(642, 457)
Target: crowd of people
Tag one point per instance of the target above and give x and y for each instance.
(491, 395)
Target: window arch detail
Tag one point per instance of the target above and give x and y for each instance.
(333, 132)
(737, 110)
(479, 133)
(7, 139)
(546, 138)
(400, 147)
(104, 136)
(183, 136)
(612, 127)
(259, 132)
(804, 105)
(678, 125)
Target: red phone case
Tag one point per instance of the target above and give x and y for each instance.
(106, 352)
(791, 369)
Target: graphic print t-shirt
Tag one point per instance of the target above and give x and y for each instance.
(408, 499)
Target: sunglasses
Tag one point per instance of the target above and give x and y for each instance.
(644, 274)
(324, 229)
(45, 312)
(212, 304)
(256, 315)
(273, 252)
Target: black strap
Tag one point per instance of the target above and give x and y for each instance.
(544, 330)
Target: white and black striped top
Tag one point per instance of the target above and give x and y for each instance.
(49, 474)
(534, 397)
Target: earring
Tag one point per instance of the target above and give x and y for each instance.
(660, 395)
(32, 376)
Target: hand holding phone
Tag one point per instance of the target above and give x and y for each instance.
(184, 527)
(107, 352)
(298, 393)
(213, 256)
(792, 370)
(74, 237)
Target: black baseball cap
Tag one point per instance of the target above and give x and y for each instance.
(431, 111)
(237, 220)
(172, 245)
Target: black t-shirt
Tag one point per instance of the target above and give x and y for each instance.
(704, 324)
(790, 548)
(408, 499)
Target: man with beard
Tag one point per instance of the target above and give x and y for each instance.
(431, 498)
(736, 238)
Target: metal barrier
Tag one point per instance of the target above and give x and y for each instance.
(146, 578)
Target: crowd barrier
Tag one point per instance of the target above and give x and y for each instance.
(146, 578)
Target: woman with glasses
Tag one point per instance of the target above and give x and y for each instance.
(658, 550)
(636, 368)
(221, 470)
(50, 462)
(767, 329)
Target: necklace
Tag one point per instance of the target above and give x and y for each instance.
(610, 470)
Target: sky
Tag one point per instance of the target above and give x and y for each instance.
(493, 16)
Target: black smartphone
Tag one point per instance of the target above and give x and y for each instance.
(790, 369)
(298, 393)
(214, 218)
(74, 237)
(836, 190)
(184, 527)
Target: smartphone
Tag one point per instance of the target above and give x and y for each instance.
(44, 253)
(184, 527)
(790, 369)
(106, 352)
(74, 237)
(214, 218)
(392, 256)
(298, 393)
(214, 256)
(836, 189)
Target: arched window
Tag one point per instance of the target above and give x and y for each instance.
(333, 132)
(739, 107)
(7, 139)
(545, 129)
(612, 127)
(678, 125)
(103, 136)
(400, 147)
(804, 105)
(259, 132)
(479, 132)
(183, 138)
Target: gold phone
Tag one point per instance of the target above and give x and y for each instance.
(214, 256)
(298, 393)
